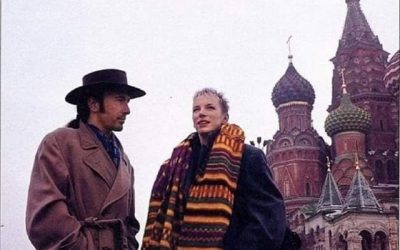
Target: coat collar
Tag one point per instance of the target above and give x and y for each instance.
(117, 179)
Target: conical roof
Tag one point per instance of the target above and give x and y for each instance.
(292, 87)
(360, 196)
(357, 31)
(330, 198)
(347, 117)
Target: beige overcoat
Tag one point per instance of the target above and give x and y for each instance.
(77, 198)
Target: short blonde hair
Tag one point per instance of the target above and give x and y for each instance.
(221, 98)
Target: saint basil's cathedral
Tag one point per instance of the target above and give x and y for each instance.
(344, 195)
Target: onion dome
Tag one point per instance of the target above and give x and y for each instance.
(347, 117)
(292, 87)
(392, 73)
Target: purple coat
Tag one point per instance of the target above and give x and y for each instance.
(77, 198)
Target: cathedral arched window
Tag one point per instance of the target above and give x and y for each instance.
(380, 241)
(366, 240)
(379, 170)
(342, 243)
(305, 142)
(380, 122)
(393, 173)
(284, 143)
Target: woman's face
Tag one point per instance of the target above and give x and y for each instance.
(207, 115)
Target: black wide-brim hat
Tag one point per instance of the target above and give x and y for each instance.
(113, 79)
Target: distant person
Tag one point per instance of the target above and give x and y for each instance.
(81, 193)
(215, 192)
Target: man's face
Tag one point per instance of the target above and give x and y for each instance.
(113, 116)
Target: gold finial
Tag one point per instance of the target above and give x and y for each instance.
(290, 51)
(344, 86)
(328, 164)
(357, 162)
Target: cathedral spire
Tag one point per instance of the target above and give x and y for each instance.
(357, 32)
(350, 1)
(360, 196)
(330, 199)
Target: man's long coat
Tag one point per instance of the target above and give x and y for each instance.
(78, 198)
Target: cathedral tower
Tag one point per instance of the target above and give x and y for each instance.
(363, 59)
(297, 153)
(347, 125)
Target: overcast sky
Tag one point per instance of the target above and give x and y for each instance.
(170, 49)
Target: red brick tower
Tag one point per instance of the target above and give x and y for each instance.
(347, 125)
(363, 59)
(297, 153)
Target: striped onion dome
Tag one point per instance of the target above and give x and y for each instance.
(292, 87)
(347, 117)
(392, 73)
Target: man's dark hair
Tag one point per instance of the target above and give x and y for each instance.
(82, 108)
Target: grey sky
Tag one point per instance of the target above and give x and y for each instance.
(170, 49)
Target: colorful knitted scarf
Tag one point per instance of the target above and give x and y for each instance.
(200, 219)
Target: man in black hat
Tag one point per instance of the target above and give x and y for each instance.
(81, 193)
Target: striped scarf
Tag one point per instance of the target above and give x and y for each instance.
(200, 220)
